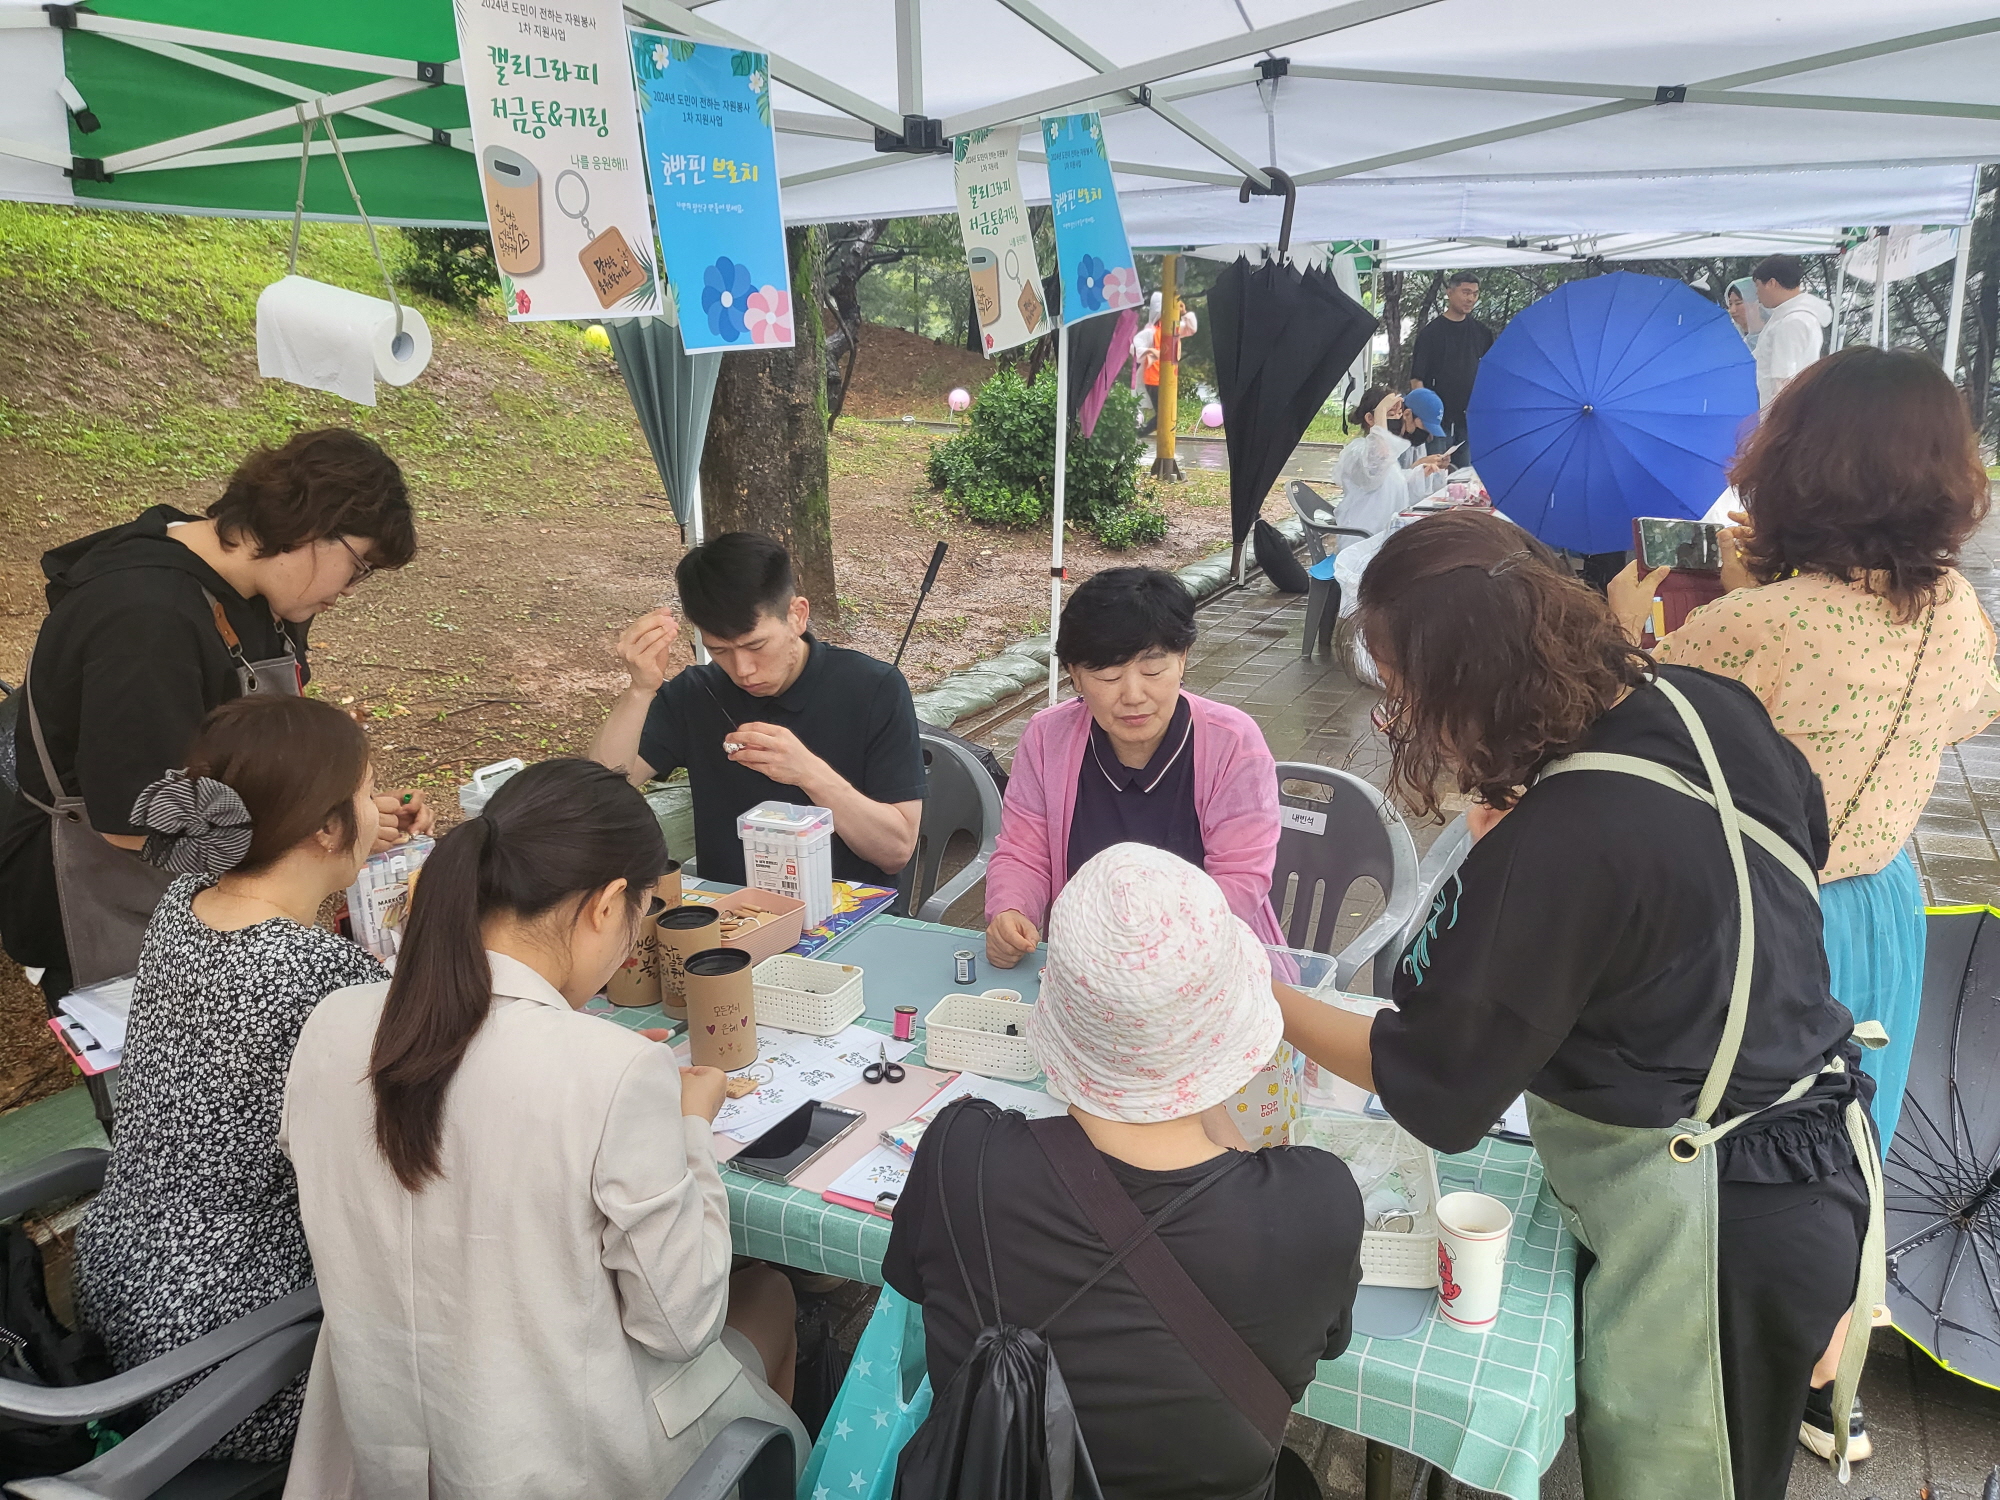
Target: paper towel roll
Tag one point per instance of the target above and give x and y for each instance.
(327, 338)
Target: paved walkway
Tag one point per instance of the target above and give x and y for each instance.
(1935, 1434)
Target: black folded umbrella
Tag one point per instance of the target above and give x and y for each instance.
(1282, 338)
(1941, 1195)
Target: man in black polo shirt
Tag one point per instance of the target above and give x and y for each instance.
(778, 716)
(1445, 358)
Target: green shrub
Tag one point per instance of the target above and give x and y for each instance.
(1131, 525)
(453, 265)
(1000, 471)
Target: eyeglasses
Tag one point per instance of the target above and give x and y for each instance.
(362, 567)
(1385, 714)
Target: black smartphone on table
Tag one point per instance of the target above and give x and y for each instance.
(797, 1141)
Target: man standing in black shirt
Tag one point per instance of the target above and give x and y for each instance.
(777, 716)
(1446, 355)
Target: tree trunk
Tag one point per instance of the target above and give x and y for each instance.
(764, 466)
(1392, 325)
(849, 254)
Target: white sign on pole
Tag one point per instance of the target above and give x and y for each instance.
(549, 88)
(999, 247)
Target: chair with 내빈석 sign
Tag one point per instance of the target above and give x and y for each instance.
(1335, 829)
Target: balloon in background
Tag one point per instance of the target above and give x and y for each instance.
(1211, 414)
(959, 399)
(596, 337)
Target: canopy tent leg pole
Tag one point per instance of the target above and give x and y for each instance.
(1839, 334)
(1959, 267)
(1167, 394)
(1056, 529)
(1881, 308)
(695, 533)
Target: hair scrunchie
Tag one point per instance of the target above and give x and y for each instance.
(195, 825)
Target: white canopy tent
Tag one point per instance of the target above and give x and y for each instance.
(1400, 117)
(1490, 119)
(1471, 252)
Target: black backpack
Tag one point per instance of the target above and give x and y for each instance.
(36, 1349)
(1005, 1427)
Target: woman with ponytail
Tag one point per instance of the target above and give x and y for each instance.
(198, 1222)
(522, 1241)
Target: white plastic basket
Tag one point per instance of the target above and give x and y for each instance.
(806, 994)
(969, 1032)
(1388, 1257)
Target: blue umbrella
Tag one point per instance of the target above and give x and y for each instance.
(1613, 397)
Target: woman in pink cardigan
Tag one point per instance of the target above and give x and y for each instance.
(1131, 759)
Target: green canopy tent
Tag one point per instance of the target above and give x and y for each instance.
(197, 101)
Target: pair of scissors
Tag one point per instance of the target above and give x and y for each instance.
(883, 1071)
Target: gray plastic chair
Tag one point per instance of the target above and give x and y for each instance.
(1440, 861)
(249, 1361)
(1320, 517)
(1344, 831)
(960, 798)
(750, 1459)
(1323, 597)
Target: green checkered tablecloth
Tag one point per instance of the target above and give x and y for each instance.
(1487, 1408)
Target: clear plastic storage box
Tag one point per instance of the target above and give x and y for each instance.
(789, 849)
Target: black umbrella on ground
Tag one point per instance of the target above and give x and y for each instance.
(1283, 338)
(1942, 1179)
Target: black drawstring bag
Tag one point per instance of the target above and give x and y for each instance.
(1005, 1427)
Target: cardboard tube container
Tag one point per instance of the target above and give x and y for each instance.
(683, 930)
(637, 981)
(722, 1009)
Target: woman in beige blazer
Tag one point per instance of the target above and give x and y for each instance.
(520, 1238)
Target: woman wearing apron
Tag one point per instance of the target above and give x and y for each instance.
(152, 624)
(1634, 941)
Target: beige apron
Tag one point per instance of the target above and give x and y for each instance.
(107, 894)
(1650, 1421)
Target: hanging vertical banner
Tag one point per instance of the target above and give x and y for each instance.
(712, 157)
(550, 93)
(999, 247)
(1098, 274)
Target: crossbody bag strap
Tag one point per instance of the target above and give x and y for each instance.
(246, 675)
(1760, 834)
(1231, 1363)
(49, 778)
(1895, 728)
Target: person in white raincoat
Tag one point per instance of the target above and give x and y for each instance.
(1374, 486)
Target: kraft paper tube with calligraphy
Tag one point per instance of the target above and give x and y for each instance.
(637, 981)
(683, 930)
(722, 1009)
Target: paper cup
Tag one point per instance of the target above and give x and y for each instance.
(1472, 1258)
(668, 886)
(683, 930)
(722, 1009)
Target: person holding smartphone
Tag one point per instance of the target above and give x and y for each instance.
(521, 1241)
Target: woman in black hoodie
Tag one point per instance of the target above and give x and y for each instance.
(152, 624)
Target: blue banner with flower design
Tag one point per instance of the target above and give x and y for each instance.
(1098, 275)
(712, 158)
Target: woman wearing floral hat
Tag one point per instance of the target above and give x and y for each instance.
(1156, 1005)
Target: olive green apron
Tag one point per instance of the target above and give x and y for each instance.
(1650, 1422)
